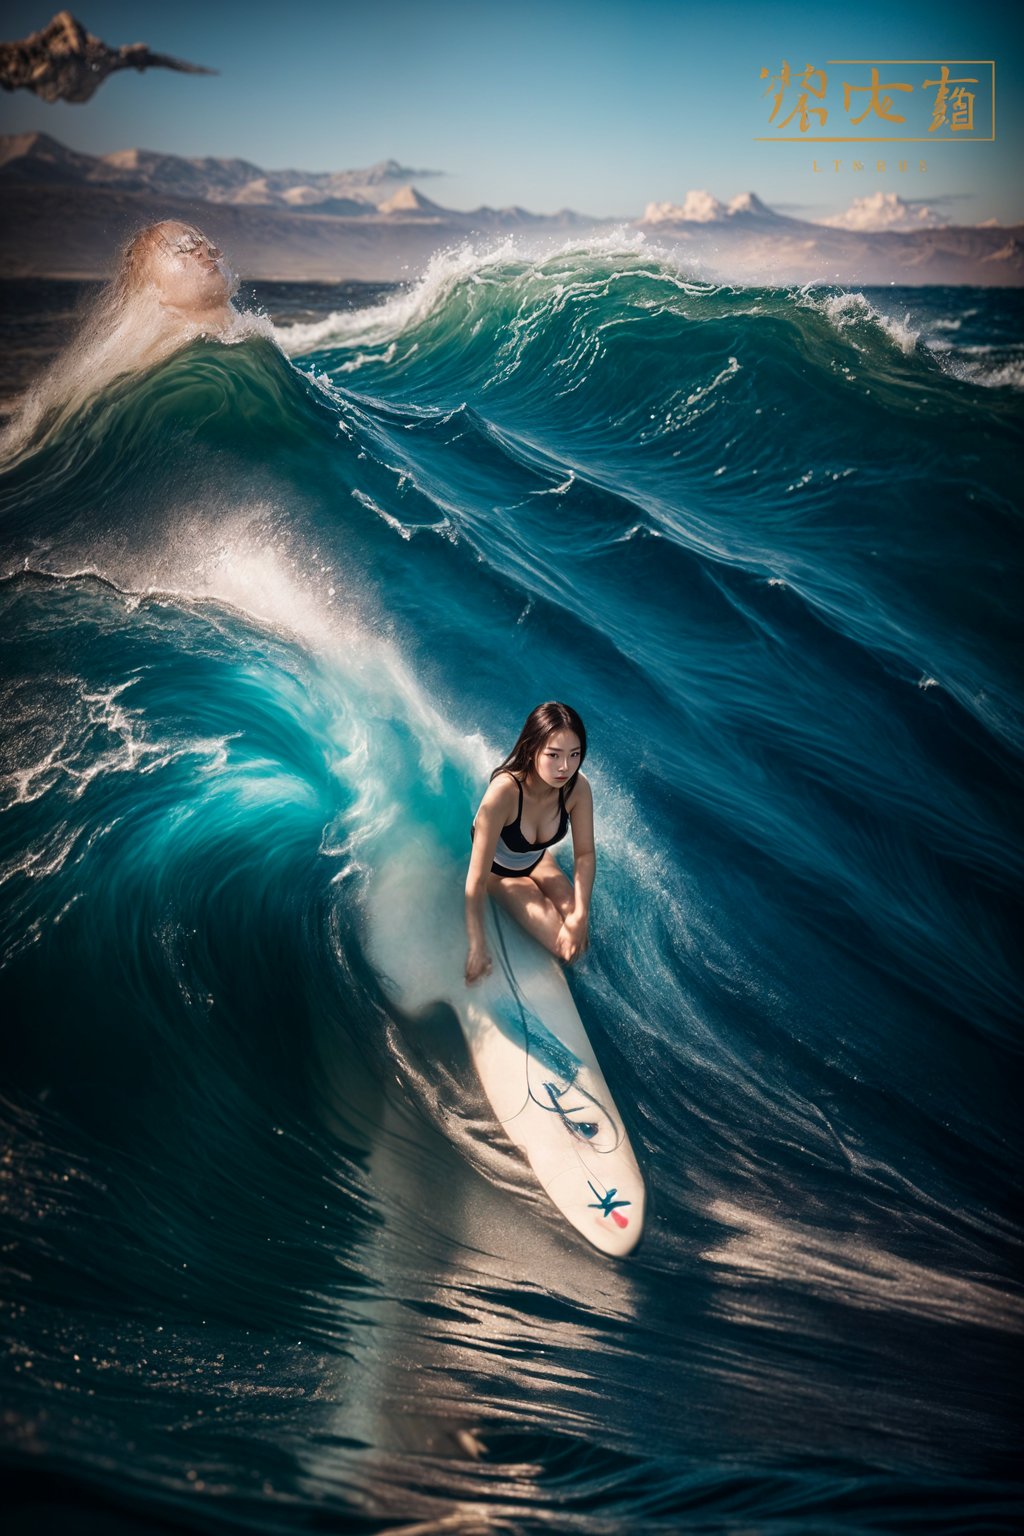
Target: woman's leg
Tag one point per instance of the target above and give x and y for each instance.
(556, 886)
(538, 901)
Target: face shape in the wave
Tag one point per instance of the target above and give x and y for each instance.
(186, 270)
(557, 759)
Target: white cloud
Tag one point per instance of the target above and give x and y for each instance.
(697, 208)
(886, 210)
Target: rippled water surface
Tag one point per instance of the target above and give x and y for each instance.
(271, 610)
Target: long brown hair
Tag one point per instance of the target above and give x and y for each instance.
(541, 723)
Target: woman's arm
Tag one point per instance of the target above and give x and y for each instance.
(574, 935)
(494, 810)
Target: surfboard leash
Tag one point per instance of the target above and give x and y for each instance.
(604, 1195)
(577, 1129)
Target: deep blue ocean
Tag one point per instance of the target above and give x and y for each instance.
(271, 611)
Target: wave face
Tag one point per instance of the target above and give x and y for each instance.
(271, 611)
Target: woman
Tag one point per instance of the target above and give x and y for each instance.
(171, 286)
(183, 271)
(532, 799)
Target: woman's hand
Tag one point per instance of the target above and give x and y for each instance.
(573, 936)
(478, 964)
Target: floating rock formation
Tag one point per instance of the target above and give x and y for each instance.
(64, 62)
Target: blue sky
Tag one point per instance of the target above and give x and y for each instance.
(599, 106)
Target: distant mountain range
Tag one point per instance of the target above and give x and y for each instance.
(36, 157)
(65, 214)
(385, 188)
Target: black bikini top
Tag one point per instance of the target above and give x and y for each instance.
(512, 835)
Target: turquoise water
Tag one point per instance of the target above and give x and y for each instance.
(271, 611)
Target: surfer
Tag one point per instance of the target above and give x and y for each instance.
(533, 797)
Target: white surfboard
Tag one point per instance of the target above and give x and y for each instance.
(525, 1038)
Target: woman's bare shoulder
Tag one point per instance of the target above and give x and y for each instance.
(581, 793)
(501, 793)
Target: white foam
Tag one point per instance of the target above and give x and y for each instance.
(392, 522)
(543, 259)
(969, 365)
(731, 368)
(119, 335)
(848, 309)
(558, 490)
(72, 763)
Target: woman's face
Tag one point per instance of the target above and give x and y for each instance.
(558, 759)
(187, 269)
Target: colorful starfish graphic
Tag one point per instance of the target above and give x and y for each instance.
(609, 1206)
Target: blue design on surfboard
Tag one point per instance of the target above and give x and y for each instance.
(588, 1129)
(524, 1026)
(589, 1121)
